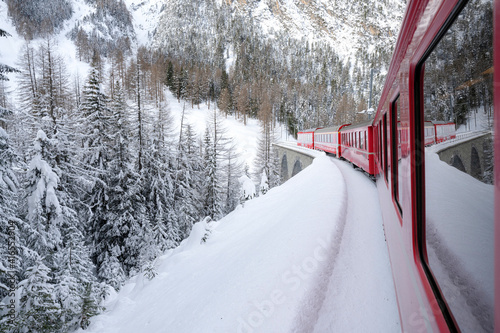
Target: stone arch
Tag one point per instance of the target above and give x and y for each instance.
(475, 164)
(297, 167)
(284, 168)
(456, 162)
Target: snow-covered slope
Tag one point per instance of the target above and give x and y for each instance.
(245, 137)
(146, 15)
(267, 267)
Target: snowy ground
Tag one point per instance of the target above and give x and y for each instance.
(304, 257)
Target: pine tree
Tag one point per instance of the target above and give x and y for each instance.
(4, 68)
(39, 311)
(187, 182)
(158, 183)
(232, 170)
(211, 187)
(266, 163)
(96, 139)
(9, 223)
(44, 213)
(76, 286)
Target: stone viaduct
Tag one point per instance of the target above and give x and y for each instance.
(293, 159)
(467, 152)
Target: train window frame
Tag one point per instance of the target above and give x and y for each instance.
(395, 141)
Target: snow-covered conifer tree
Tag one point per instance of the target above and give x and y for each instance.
(8, 220)
(74, 278)
(158, 182)
(4, 68)
(188, 182)
(43, 208)
(96, 140)
(267, 163)
(39, 310)
(211, 188)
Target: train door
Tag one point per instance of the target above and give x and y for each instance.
(455, 222)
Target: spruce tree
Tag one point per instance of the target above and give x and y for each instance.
(39, 310)
(159, 183)
(44, 213)
(188, 182)
(4, 68)
(9, 223)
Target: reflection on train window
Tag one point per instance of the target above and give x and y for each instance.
(459, 222)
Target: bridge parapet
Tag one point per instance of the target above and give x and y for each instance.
(293, 158)
(466, 152)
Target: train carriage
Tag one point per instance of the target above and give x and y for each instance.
(429, 133)
(357, 146)
(328, 139)
(305, 138)
(444, 131)
(442, 226)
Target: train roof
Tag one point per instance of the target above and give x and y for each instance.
(309, 130)
(335, 128)
(358, 125)
(443, 122)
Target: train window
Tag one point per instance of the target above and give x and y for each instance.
(396, 151)
(384, 145)
(366, 139)
(456, 229)
(381, 147)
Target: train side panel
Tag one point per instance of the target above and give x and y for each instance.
(305, 138)
(357, 146)
(400, 135)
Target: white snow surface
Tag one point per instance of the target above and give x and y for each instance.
(301, 257)
(247, 187)
(145, 14)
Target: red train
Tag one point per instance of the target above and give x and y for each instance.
(305, 138)
(442, 226)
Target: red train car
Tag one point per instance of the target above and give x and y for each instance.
(328, 139)
(444, 131)
(357, 146)
(429, 133)
(305, 138)
(442, 226)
